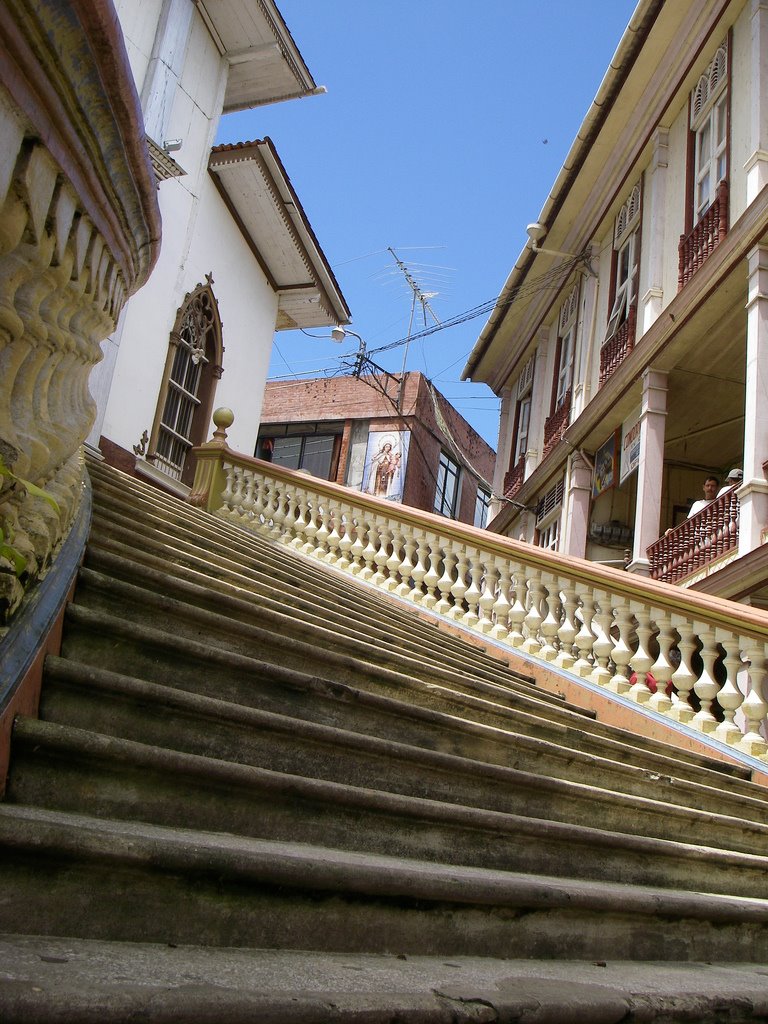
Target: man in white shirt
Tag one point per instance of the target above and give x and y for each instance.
(711, 485)
(734, 477)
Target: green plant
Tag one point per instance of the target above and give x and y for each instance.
(7, 549)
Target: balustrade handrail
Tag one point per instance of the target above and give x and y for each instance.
(715, 610)
(712, 532)
(611, 627)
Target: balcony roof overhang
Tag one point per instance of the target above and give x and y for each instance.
(649, 77)
(265, 65)
(255, 187)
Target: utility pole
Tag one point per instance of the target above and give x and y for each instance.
(423, 299)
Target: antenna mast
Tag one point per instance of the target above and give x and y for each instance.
(423, 299)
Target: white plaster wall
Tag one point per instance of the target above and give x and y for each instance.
(741, 142)
(674, 211)
(139, 20)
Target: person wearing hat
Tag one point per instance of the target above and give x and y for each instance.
(734, 477)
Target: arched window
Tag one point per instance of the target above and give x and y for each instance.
(192, 368)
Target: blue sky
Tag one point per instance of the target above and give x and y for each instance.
(444, 126)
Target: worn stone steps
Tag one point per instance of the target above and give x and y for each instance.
(373, 741)
(217, 548)
(173, 885)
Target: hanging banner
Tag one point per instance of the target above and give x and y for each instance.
(606, 465)
(630, 446)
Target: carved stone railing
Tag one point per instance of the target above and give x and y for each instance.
(698, 541)
(616, 349)
(513, 480)
(612, 628)
(695, 248)
(556, 424)
(79, 232)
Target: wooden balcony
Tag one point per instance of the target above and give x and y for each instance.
(695, 248)
(616, 349)
(556, 424)
(513, 480)
(698, 541)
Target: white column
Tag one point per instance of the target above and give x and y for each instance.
(582, 386)
(654, 220)
(757, 164)
(540, 400)
(753, 494)
(650, 471)
(504, 446)
(577, 506)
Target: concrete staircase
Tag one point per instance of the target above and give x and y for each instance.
(240, 751)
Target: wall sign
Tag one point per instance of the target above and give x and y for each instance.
(630, 445)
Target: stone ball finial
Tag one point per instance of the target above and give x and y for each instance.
(222, 418)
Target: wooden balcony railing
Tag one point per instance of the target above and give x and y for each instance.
(698, 541)
(556, 424)
(590, 621)
(513, 480)
(617, 348)
(694, 249)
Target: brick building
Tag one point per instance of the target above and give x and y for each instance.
(412, 447)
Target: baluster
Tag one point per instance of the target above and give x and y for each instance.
(566, 633)
(379, 578)
(474, 591)
(358, 547)
(312, 525)
(237, 493)
(301, 520)
(334, 537)
(228, 492)
(459, 587)
(368, 520)
(445, 582)
(419, 569)
(754, 707)
(641, 660)
(264, 502)
(406, 568)
(289, 517)
(662, 667)
(683, 678)
(730, 698)
(394, 560)
(323, 533)
(706, 686)
(501, 606)
(603, 645)
(517, 612)
(585, 639)
(255, 497)
(346, 533)
(488, 598)
(621, 652)
(432, 577)
(551, 623)
(533, 618)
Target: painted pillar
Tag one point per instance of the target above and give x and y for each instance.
(650, 472)
(504, 446)
(540, 401)
(753, 494)
(654, 222)
(577, 506)
(757, 163)
(582, 382)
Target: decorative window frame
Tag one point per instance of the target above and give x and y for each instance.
(548, 514)
(709, 109)
(567, 326)
(199, 317)
(626, 253)
(522, 431)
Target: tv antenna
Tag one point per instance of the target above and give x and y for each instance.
(418, 297)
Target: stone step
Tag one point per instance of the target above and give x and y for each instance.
(309, 591)
(172, 885)
(67, 769)
(215, 543)
(257, 634)
(110, 642)
(111, 703)
(160, 716)
(59, 980)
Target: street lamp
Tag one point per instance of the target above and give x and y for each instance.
(339, 333)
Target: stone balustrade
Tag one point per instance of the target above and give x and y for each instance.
(697, 246)
(597, 623)
(79, 232)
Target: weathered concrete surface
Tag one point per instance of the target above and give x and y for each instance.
(67, 981)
